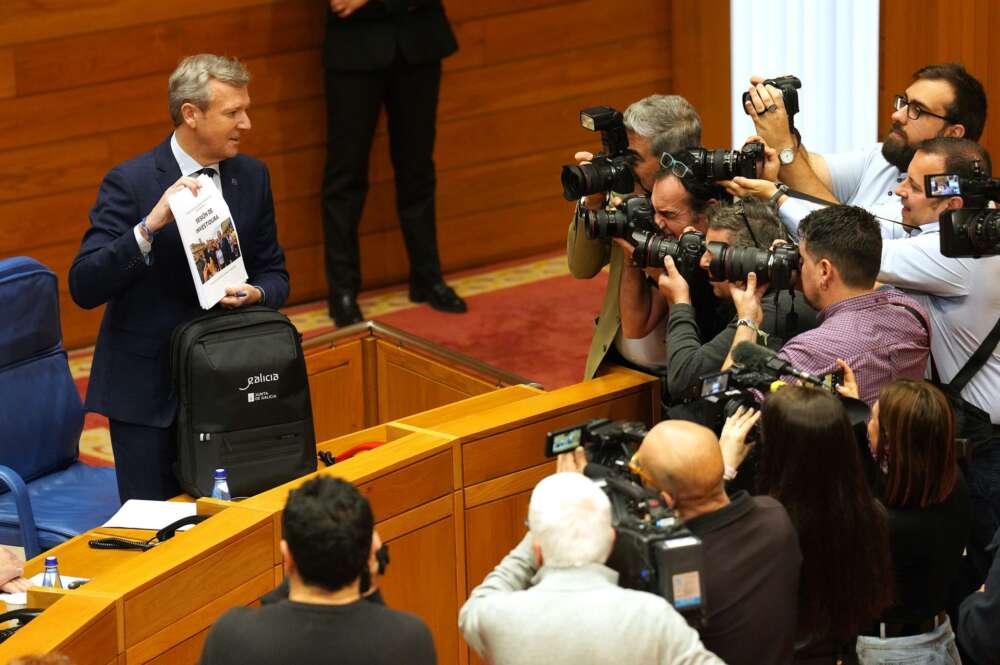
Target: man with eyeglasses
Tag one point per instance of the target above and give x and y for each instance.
(942, 100)
(655, 124)
(679, 200)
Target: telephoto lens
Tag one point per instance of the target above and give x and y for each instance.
(779, 267)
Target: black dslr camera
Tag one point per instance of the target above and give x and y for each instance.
(778, 266)
(708, 166)
(609, 171)
(973, 231)
(653, 550)
(652, 249)
(789, 86)
(634, 213)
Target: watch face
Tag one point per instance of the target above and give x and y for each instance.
(787, 156)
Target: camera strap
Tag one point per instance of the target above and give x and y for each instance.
(795, 194)
(972, 365)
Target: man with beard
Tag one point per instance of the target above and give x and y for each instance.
(942, 100)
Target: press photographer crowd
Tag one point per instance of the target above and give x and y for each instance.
(826, 485)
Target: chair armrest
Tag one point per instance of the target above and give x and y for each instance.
(26, 516)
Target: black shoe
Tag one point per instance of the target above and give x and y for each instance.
(440, 296)
(344, 309)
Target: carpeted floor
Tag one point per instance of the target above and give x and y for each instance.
(527, 317)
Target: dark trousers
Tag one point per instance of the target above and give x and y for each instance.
(144, 461)
(982, 473)
(409, 94)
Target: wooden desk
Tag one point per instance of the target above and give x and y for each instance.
(449, 490)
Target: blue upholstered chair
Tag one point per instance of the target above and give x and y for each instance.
(46, 495)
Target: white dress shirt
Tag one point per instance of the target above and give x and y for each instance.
(962, 297)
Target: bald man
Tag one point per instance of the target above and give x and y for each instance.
(750, 550)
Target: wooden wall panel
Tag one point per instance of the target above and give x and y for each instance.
(938, 31)
(337, 390)
(82, 88)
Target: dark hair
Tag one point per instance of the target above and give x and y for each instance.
(916, 444)
(968, 108)
(328, 526)
(734, 218)
(960, 155)
(850, 238)
(811, 463)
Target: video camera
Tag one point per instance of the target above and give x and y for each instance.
(653, 550)
(789, 87)
(758, 368)
(609, 171)
(779, 266)
(710, 166)
(632, 220)
(973, 231)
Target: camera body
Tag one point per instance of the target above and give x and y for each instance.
(789, 86)
(652, 249)
(779, 266)
(973, 231)
(609, 171)
(709, 166)
(634, 213)
(653, 550)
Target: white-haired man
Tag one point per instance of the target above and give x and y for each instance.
(553, 601)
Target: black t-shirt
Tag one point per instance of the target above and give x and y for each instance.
(751, 562)
(361, 633)
(926, 546)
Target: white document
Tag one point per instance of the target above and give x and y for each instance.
(154, 515)
(20, 599)
(209, 235)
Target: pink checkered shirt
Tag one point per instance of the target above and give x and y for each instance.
(883, 335)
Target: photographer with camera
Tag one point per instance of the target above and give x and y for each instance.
(962, 296)
(652, 125)
(552, 600)
(881, 333)
(750, 552)
(810, 461)
(942, 100)
(740, 234)
(331, 561)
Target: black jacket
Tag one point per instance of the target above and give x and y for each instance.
(369, 38)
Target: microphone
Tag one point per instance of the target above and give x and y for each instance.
(757, 358)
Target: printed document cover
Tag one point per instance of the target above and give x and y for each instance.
(209, 235)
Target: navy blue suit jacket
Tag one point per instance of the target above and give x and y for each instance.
(130, 377)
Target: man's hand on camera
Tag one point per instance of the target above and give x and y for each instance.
(767, 110)
(747, 299)
(572, 462)
(594, 201)
(672, 284)
(627, 248)
(733, 438)
(745, 188)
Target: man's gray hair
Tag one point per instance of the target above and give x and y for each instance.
(668, 121)
(189, 82)
(570, 519)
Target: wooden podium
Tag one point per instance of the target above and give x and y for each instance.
(449, 489)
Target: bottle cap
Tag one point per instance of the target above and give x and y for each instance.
(220, 473)
(51, 561)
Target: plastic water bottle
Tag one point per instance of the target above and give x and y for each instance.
(220, 490)
(51, 575)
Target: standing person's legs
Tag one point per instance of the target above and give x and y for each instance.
(411, 104)
(144, 461)
(353, 99)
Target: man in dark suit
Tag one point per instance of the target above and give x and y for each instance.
(383, 52)
(132, 259)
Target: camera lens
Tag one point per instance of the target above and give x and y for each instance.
(606, 224)
(601, 175)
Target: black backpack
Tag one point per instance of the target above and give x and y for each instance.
(243, 401)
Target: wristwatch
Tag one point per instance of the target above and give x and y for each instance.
(786, 156)
(778, 193)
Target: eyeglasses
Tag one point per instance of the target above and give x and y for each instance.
(634, 467)
(679, 169)
(914, 111)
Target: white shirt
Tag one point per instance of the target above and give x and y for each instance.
(862, 178)
(962, 298)
(188, 165)
(649, 351)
